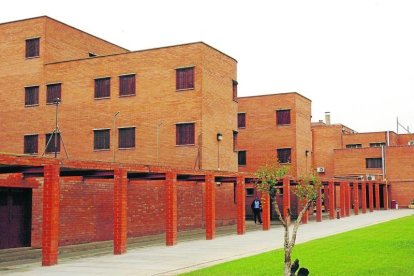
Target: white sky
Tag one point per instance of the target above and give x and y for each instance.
(354, 58)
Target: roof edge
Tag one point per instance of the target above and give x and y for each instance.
(276, 94)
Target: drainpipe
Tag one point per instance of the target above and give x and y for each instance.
(383, 162)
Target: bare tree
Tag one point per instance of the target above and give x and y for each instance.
(269, 178)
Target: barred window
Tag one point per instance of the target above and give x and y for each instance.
(32, 47)
(51, 147)
(31, 95)
(242, 158)
(102, 88)
(373, 163)
(127, 85)
(283, 117)
(185, 134)
(284, 155)
(241, 120)
(31, 144)
(126, 138)
(101, 139)
(53, 92)
(185, 78)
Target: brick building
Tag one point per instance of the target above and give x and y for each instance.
(341, 153)
(173, 107)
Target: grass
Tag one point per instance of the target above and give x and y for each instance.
(382, 249)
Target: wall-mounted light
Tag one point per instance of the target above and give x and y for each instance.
(306, 153)
(219, 136)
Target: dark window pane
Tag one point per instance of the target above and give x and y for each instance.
(373, 163)
(31, 95)
(185, 78)
(283, 117)
(235, 134)
(126, 138)
(249, 191)
(185, 134)
(284, 155)
(354, 146)
(101, 139)
(377, 145)
(127, 85)
(102, 88)
(31, 144)
(242, 158)
(32, 47)
(234, 90)
(241, 120)
(53, 92)
(51, 147)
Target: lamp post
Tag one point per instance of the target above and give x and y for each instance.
(219, 139)
(56, 102)
(113, 135)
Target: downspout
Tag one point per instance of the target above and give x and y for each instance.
(383, 163)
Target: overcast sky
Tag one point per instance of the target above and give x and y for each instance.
(354, 58)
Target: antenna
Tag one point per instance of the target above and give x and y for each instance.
(407, 128)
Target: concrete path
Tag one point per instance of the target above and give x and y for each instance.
(192, 255)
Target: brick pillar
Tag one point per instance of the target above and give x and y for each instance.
(331, 191)
(347, 199)
(266, 211)
(50, 224)
(210, 207)
(241, 208)
(170, 208)
(356, 199)
(319, 206)
(286, 196)
(377, 196)
(364, 197)
(371, 196)
(120, 211)
(342, 198)
(305, 216)
(385, 196)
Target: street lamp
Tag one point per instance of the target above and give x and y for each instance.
(56, 102)
(219, 139)
(113, 135)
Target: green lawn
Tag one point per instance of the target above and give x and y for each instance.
(383, 249)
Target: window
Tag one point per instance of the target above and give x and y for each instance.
(101, 139)
(30, 144)
(53, 92)
(31, 95)
(283, 117)
(377, 145)
(184, 78)
(235, 133)
(353, 146)
(373, 163)
(127, 85)
(51, 147)
(102, 88)
(242, 158)
(284, 155)
(185, 134)
(32, 47)
(241, 120)
(126, 138)
(249, 191)
(235, 90)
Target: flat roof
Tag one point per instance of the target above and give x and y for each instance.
(145, 50)
(275, 94)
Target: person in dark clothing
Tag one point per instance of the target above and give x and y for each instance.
(257, 209)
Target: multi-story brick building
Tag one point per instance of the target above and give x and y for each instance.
(341, 153)
(172, 101)
(275, 127)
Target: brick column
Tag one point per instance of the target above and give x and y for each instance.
(364, 197)
(356, 199)
(210, 207)
(377, 196)
(241, 208)
(347, 199)
(319, 206)
(342, 198)
(120, 211)
(371, 196)
(170, 208)
(50, 224)
(286, 196)
(331, 191)
(305, 216)
(266, 211)
(385, 196)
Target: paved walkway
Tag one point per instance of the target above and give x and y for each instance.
(192, 255)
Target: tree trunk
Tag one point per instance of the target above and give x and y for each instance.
(288, 262)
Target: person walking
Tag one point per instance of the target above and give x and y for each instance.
(257, 209)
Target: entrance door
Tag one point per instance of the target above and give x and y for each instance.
(15, 217)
